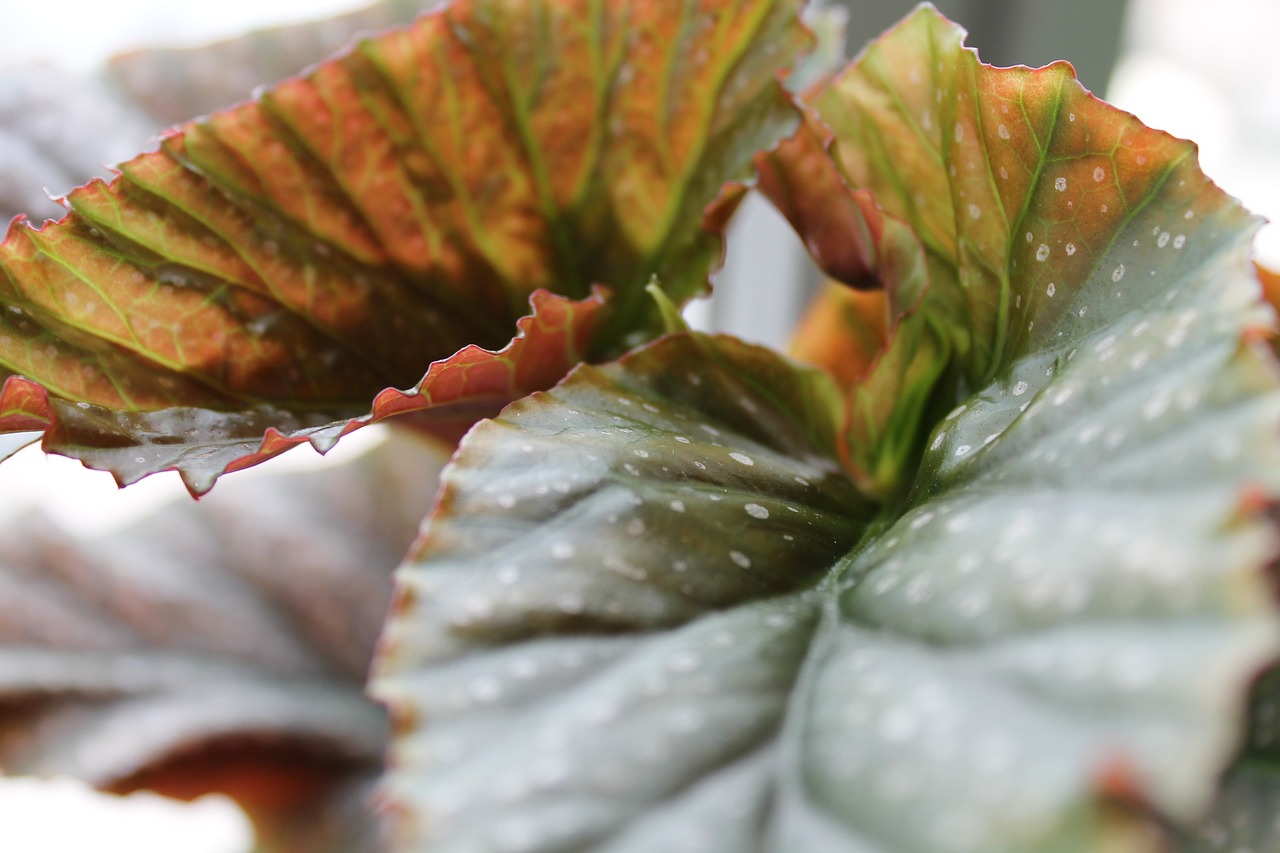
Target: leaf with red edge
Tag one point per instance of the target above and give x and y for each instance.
(473, 383)
(278, 265)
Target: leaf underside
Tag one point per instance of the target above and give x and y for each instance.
(282, 263)
(1038, 630)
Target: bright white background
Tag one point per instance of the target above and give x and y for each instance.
(1205, 71)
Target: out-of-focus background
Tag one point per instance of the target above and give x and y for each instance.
(1203, 71)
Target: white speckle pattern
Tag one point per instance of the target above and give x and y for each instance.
(757, 511)
(742, 457)
(1099, 174)
(1042, 252)
(1117, 273)
(1051, 289)
(921, 520)
(1060, 185)
(741, 559)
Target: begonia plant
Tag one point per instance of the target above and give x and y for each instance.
(985, 563)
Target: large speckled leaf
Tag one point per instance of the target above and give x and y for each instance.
(607, 604)
(635, 620)
(281, 263)
(1043, 637)
(215, 647)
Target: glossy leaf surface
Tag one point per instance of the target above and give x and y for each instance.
(213, 647)
(653, 637)
(285, 261)
(677, 506)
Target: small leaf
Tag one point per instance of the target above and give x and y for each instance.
(218, 647)
(672, 320)
(888, 344)
(281, 263)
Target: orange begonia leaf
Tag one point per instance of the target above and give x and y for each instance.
(472, 384)
(272, 268)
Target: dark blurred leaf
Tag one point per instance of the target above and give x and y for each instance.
(173, 84)
(219, 646)
(58, 130)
